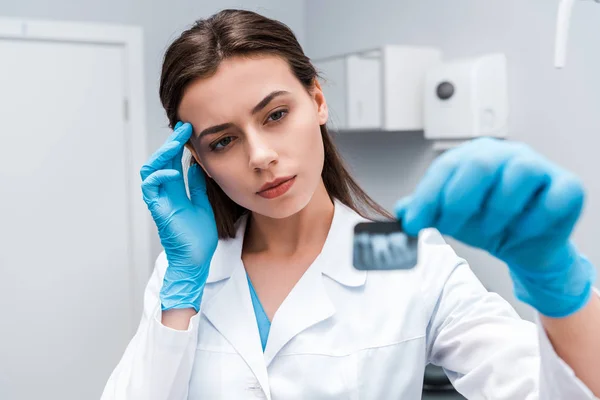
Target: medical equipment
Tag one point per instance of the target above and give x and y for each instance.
(409, 88)
(565, 10)
(466, 98)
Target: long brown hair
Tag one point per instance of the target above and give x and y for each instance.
(197, 53)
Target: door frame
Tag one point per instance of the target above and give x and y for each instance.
(131, 38)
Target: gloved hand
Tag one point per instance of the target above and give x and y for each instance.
(186, 226)
(504, 198)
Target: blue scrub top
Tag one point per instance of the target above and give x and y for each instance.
(264, 325)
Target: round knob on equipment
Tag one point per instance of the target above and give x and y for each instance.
(445, 90)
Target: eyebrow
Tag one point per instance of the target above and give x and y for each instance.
(264, 102)
(257, 108)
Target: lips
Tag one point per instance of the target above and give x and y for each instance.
(274, 183)
(276, 188)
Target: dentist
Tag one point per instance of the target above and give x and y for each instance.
(255, 295)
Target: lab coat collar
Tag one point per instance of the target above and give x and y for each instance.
(336, 253)
(309, 303)
(230, 310)
(228, 254)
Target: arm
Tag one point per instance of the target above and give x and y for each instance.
(178, 319)
(504, 198)
(575, 340)
(485, 348)
(157, 363)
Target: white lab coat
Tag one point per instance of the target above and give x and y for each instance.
(343, 334)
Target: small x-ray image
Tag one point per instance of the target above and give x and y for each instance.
(383, 246)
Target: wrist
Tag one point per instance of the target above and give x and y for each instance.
(183, 287)
(178, 319)
(559, 290)
(178, 297)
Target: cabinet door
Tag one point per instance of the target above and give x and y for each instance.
(364, 90)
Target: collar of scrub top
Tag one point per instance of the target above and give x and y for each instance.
(335, 257)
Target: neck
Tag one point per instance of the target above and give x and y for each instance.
(288, 236)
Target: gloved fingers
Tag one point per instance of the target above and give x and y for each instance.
(423, 209)
(160, 159)
(521, 179)
(197, 185)
(465, 192)
(487, 155)
(401, 206)
(151, 185)
(170, 149)
(177, 161)
(556, 208)
(180, 129)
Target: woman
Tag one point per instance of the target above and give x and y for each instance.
(255, 294)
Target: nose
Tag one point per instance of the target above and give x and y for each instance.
(261, 154)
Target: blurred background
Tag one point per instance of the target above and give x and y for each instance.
(80, 113)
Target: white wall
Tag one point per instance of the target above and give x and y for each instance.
(556, 112)
(162, 21)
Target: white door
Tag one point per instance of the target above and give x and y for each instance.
(67, 305)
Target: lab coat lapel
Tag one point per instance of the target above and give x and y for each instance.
(306, 305)
(309, 303)
(231, 311)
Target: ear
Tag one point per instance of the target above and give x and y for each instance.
(319, 98)
(196, 158)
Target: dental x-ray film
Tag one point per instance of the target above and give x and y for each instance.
(383, 246)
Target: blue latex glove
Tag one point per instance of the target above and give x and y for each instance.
(186, 226)
(504, 198)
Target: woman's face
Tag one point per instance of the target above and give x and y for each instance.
(255, 124)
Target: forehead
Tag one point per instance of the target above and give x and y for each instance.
(237, 86)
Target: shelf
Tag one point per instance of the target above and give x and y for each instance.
(377, 89)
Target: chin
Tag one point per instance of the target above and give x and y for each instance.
(282, 207)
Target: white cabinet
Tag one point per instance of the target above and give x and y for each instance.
(377, 89)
